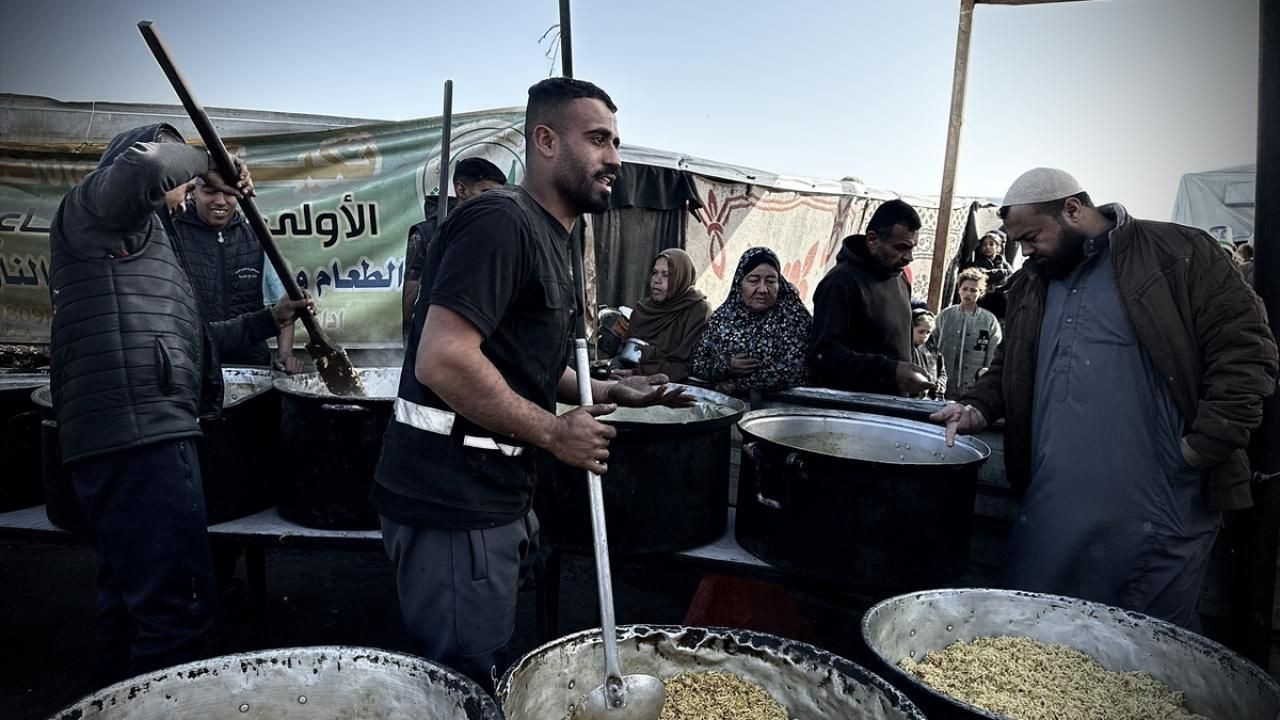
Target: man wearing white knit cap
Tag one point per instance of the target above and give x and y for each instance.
(1132, 374)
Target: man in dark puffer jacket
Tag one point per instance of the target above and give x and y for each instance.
(133, 366)
(1132, 375)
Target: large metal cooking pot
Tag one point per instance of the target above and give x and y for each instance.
(329, 448)
(864, 500)
(305, 683)
(667, 487)
(19, 440)
(811, 684)
(236, 453)
(61, 505)
(1216, 682)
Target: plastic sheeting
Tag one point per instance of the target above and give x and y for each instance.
(1218, 198)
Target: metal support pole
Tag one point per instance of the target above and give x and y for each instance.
(1255, 596)
(446, 131)
(958, 81)
(566, 40)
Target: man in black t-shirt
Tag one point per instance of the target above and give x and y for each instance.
(484, 366)
(472, 177)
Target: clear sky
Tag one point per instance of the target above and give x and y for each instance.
(1126, 94)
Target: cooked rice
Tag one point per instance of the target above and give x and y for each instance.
(717, 696)
(1025, 679)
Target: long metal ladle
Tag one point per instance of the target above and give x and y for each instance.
(620, 697)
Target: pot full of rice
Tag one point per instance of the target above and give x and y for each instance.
(709, 674)
(1008, 655)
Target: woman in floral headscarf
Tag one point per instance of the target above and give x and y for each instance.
(758, 338)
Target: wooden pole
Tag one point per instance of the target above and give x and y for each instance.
(331, 360)
(1023, 2)
(959, 78)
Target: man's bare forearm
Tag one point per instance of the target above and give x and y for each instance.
(471, 385)
(284, 341)
(567, 390)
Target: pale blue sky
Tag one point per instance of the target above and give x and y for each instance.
(1126, 94)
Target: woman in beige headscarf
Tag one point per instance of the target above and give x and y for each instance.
(670, 319)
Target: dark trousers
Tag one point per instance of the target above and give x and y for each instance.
(156, 597)
(458, 591)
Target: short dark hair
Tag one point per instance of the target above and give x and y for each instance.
(474, 169)
(548, 98)
(894, 212)
(919, 315)
(1052, 207)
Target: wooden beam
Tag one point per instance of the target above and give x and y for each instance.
(959, 78)
(1024, 2)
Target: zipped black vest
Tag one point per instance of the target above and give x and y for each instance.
(226, 270)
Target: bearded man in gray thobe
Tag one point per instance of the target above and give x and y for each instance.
(1133, 371)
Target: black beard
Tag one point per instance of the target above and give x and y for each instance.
(579, 187)
(1068, 257)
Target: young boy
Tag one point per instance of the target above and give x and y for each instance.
(968, 335)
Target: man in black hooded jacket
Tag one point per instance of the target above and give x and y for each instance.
(861, 337)
(133, 366)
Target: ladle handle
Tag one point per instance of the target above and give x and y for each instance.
(604, 578)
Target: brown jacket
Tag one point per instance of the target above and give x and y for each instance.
(1204, 328)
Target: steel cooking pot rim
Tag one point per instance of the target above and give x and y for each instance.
(283, 384)
(258, 387)
(969, 441)
(737, 406)
(38, 396)
(710, 396)
(1183, 635)
(843, 665)
(23, 380)
(355, 651)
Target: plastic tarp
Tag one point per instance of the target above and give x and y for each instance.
(1218, 198)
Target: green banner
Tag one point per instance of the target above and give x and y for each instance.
(339, 203)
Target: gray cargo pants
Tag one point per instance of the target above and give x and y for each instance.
(458, 590)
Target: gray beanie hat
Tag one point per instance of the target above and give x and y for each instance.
(1041, 185)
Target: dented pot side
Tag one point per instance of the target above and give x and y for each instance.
(292, 684)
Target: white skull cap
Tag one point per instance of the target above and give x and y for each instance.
(1041, 185)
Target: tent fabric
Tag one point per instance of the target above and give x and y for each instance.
(653, 188)
(329, 177)
(1218, 198)
(626, 242)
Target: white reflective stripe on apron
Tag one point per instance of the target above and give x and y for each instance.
(440, 422)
